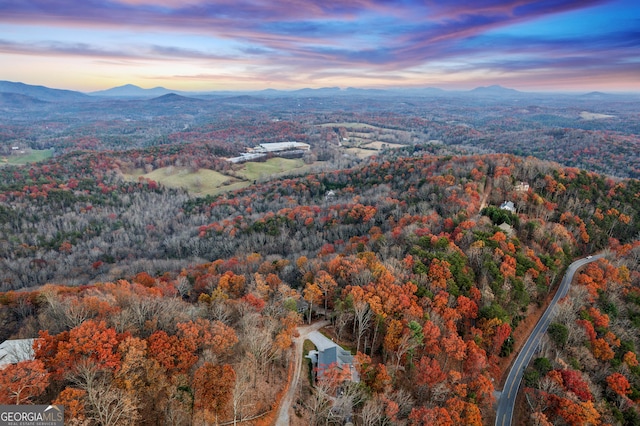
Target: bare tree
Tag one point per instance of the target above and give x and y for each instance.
(363, 315)
(258, 340)
(107, 405)
(372, 413)
(183, 286)
(241, 391)
(319, 404)
(342, 319)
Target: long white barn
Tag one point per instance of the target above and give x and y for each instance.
(263, 149)
(280, 146)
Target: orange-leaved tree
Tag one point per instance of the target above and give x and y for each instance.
(312, 294)
(213, 388)
(619, 384)
(21, 382)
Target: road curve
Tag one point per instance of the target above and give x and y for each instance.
(507, 399)
(287, 400)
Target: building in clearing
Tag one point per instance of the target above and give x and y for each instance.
(279, 149)
(508, 206)
(280, 146)
(247, 156)
(334, 357)
(522, 187)
(14, 351)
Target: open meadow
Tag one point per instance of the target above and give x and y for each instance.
(30, 156)
(210, 182)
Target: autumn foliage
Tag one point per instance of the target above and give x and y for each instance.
(398, 257)
(602, 355)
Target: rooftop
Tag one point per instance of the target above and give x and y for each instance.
(14, 351)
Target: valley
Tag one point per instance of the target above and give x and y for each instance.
(420, 231)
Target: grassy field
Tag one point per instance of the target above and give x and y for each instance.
(378, 145)
(371, 148)
(361, 153)
(203, 182)
(585, 115)
(350, 125)
(209, 182)
(272, 167)
(31, 156)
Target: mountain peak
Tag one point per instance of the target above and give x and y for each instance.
(493, 91)
(132, 91)
(173, 97)
(496, 88)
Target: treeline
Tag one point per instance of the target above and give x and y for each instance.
(611, 153)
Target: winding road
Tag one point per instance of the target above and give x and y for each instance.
(287, 400)
(507, 399)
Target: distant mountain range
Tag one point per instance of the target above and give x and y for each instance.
(16, 100)
(41, 92)
(133, 91)
(130, 91)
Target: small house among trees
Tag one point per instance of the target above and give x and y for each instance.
(15, 351)
(334, 358)
(508, 206)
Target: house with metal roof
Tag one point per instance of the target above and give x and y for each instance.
(508, 206)
(334, 357)
(15, 351)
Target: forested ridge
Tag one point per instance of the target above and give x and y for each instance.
(183, 309)
(597, 133)
(79, 215)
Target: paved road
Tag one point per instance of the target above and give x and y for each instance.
(285, 404)
(507, 398)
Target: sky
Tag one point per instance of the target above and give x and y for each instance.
(201, 45)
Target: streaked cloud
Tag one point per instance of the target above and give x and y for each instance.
(330, 41)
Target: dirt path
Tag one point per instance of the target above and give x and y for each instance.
(488, 186)
(285, 404)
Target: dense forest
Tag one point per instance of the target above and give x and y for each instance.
(183, 310)
(587, 370)
(423, 232)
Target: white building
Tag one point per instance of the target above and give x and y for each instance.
(281, 146)
(14, 351)
(508, 206)
(246, 157)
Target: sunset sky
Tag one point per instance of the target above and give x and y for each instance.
(567, 45)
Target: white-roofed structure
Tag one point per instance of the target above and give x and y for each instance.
(246, 157)
(277, 149)
(281, 146)
(508, 206)
(14, 351)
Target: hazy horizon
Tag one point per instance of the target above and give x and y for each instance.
(204, 90)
